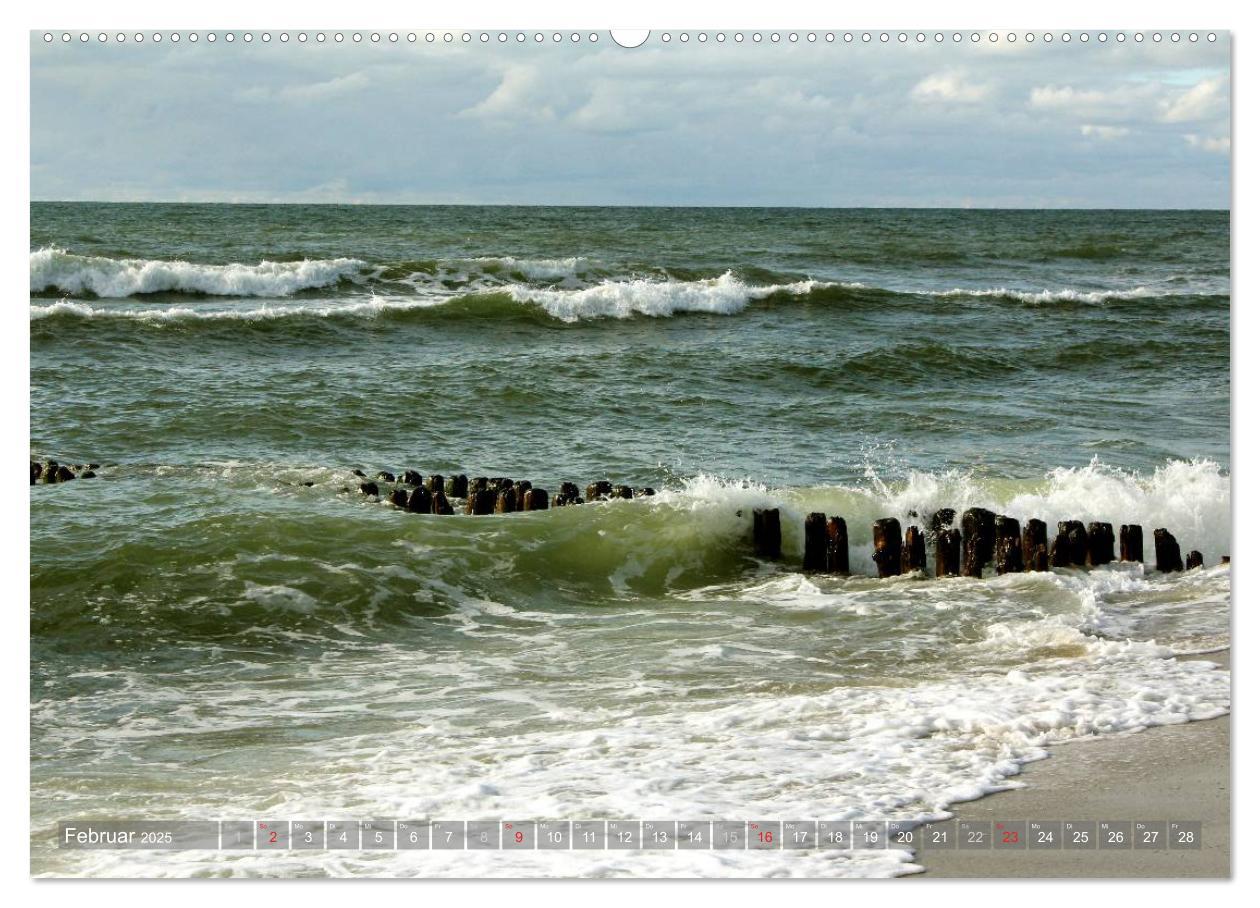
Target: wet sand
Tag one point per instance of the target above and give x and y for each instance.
(1178, 772)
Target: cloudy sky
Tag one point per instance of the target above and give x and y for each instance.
(1009, 125)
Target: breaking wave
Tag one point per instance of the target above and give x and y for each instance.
(65, 272)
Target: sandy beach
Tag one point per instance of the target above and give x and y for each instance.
(1164, 773)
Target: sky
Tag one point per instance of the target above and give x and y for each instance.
(1025, 125)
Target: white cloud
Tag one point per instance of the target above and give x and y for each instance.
(520, 93)
(1106, 133)
(314, 91)
(1219, 145)
(1201, 101)
(951, 86)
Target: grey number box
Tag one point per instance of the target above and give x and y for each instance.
(1185, 835)
(414, 834)
(307, 835)
(482, 835)
(520, 835)
(341, 834)
(940, 835)
(271, 835)
(1080, 835)
(1010, 835)
(1150, 835)
(588, 834)
(237, 834)
(695, 834)
(729, 835)
(902, 834)
(800, 834)
(868, 834)
(835, 834)
(1115, 835)
(623, 834)
(660, 834)
(555, 835)
(975, 835)
(376, 835)
(1045, 835)
(765, 835)
(448, 835)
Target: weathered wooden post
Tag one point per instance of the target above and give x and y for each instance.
(535, 499)
(1008, 557)
(1167, 552)
(385, 476)
(837, 546)
(567, 495)
(886, 534)
(948, 552)
(1061, 551)
(1131, 542)
(914, 552)
(398, 498)
(37, 470)
(1101, 543)
(942, 520)
(767, 535)
(599, 491)
(519, 488)
(1034, 536)
(815, 542)
(457, 486)
(1040, 560)
(421, 501)
(505, 501)
(1194, 559)
(623, 492)
(435, 483)
(979, 533)
(369, 488)
(645, 492)
(411, 478)
(441, 504)
(1078, 541)
(1007, 546)
(481, 502)
(478, 484)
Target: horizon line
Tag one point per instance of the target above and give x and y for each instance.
(620, 205)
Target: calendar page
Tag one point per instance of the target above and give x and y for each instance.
(572, 452)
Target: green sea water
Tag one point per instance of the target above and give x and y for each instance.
(223, 627)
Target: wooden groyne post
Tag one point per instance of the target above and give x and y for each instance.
(815, 542)
(1101, 543)
(914, 552)
(767, 534)
(978, 539)
(886, 534)
(1033, 546)
(1131, 542)
(1167, 552)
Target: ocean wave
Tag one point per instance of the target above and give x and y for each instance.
(53, 269)
(723, 295)
(1045, 297)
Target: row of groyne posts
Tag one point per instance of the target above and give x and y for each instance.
(985, 538)
(482, 494)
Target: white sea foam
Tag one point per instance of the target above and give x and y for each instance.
(540, 269)
(724, 295)
(1043, 297)
(56, 269)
